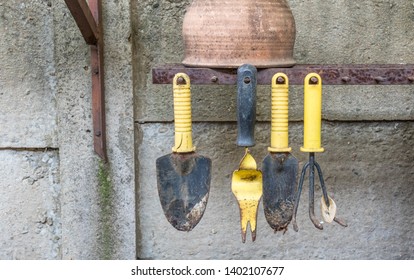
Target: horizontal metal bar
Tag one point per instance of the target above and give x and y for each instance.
(84, 19)
(331, 74)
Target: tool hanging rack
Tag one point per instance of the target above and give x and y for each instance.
(250, 190)
(88, 17)
(89, 20)
(331, 74)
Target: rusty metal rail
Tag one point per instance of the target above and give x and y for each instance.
(89, 20)
(332, 74)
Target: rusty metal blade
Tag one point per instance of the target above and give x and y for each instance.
(183, 187)
(279, 183)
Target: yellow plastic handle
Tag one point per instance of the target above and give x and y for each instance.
(279, 137)
(312, 114)
(182, 114)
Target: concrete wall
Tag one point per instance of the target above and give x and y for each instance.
(30, 186)
(59, 201)
(367, 135)
(92, 230)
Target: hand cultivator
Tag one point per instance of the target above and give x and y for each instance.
(312, 145)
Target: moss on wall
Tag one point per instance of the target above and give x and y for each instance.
(105, 241)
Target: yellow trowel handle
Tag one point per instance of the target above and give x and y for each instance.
(312, 114)
(182, 114)
(279, 136)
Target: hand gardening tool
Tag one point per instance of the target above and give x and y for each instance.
(183, 176)
(246, 182)
(279, 167)
(312, 145)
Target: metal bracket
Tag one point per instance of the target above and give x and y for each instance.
(332, 74)
(89, 20)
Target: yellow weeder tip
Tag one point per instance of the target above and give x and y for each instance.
(247, 188)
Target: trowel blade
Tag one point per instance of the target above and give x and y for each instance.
(279, 184)
(183, 182)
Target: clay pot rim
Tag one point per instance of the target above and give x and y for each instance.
(275, 64)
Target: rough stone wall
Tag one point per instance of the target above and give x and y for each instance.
(367, 134)
(92, 230)
(58, 200)
(30, 212)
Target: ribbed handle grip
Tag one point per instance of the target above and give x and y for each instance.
(279, 137)
(182, 114)
(312, 114)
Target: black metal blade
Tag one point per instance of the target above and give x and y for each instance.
(183, 187)
(279, 183)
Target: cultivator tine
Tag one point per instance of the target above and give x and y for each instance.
(312, 192)
(325, 193)
(298, 193)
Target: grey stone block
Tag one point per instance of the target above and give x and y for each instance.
(30, 214)
(28, 115)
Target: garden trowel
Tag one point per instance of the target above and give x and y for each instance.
(183, 177)
(279, 167)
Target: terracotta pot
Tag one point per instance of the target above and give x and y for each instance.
(229, 33)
